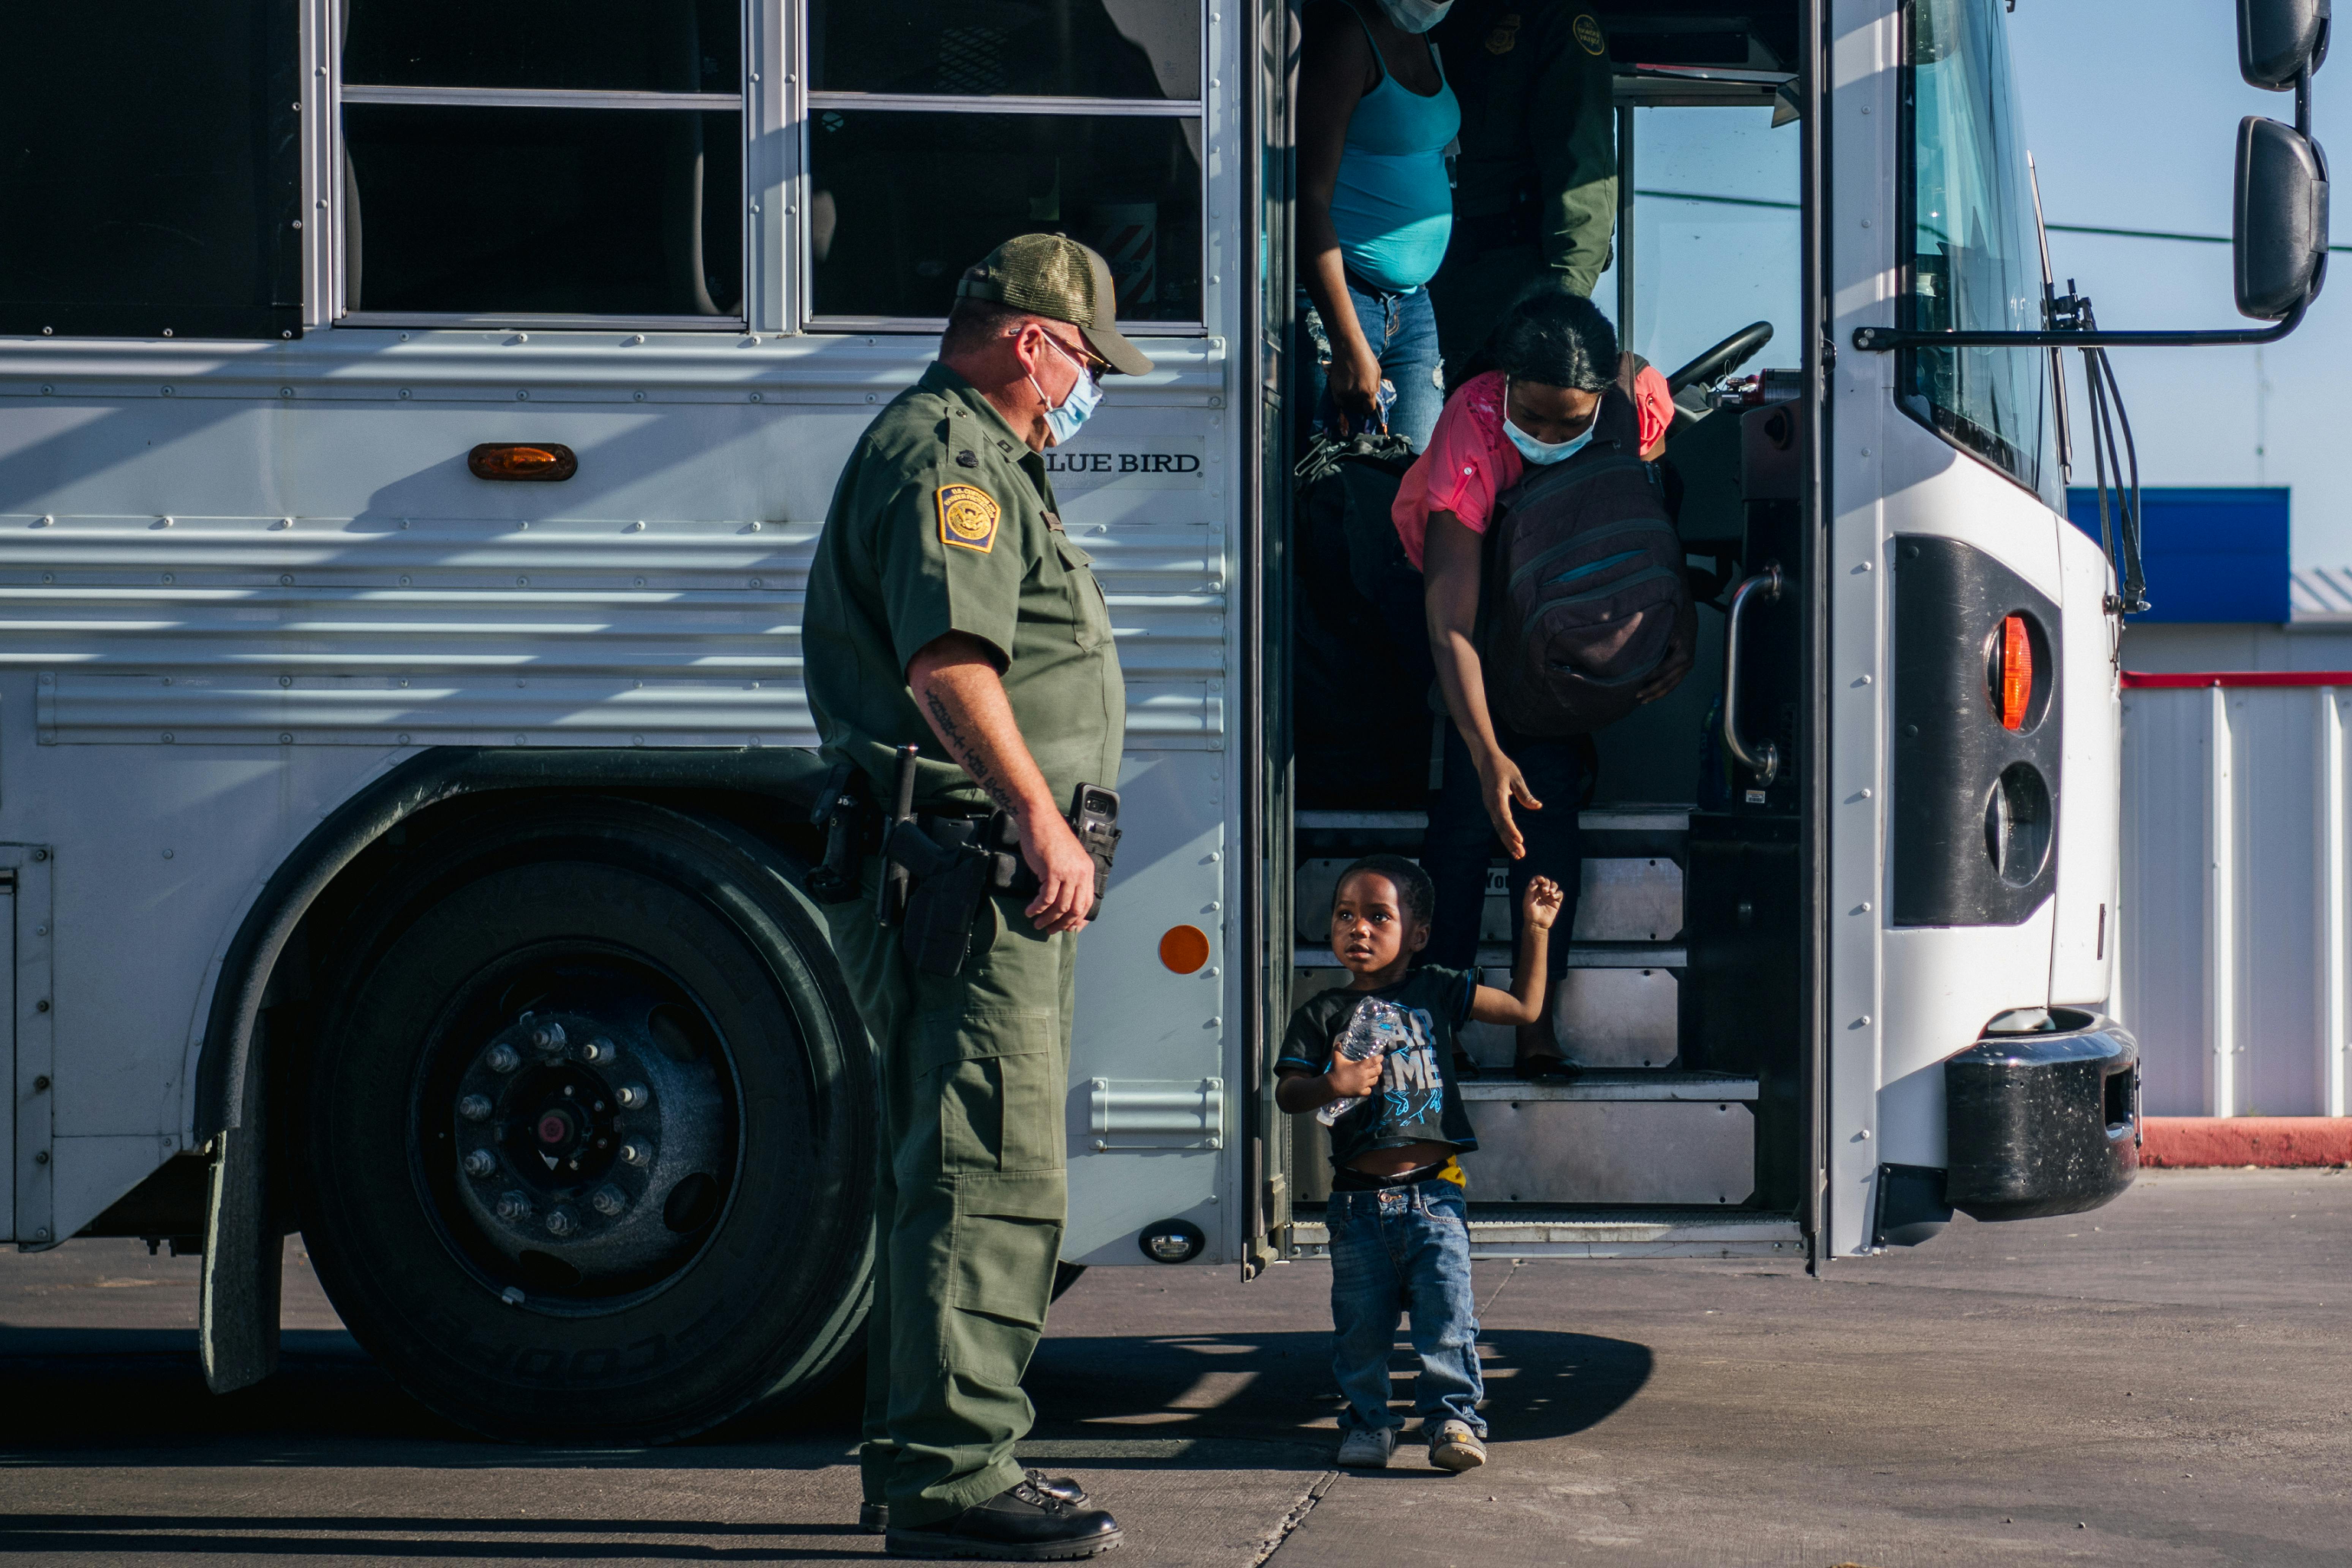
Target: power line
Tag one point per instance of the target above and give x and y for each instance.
(2055, 227)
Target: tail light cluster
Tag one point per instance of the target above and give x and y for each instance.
(1976, 741)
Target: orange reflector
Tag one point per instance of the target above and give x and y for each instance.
(1184, 949)
(515, 460)
(2016, 672)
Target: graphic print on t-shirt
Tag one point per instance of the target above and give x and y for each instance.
(1412, 1089)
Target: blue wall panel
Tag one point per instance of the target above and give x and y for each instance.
(2210, 554)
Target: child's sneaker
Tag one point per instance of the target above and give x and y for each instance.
(1453, 1446)
(1368, 1448)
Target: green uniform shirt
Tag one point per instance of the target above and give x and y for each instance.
(943, 522)
(1537, 129)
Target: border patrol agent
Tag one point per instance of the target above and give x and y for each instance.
(1535, 181)
(947, 609)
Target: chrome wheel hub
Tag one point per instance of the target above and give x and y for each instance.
(587, 1145)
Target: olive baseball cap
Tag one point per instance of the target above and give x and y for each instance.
(1052, 276)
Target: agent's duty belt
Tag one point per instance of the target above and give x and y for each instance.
(938, 868)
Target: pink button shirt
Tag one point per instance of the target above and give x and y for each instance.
(1470, 461)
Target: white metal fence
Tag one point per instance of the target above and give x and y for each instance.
(2234, 923)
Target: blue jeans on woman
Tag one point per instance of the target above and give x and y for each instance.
(1404, 1250)
(1402, 331)
(1462, 843)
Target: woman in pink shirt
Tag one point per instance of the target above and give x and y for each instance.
(1556, 358)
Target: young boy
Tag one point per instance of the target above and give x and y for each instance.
(1400, 1233)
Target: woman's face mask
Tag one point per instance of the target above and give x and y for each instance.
(1545, 452)
(1077, 404)
(1416, 15)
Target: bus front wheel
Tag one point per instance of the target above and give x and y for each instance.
(588, 1127)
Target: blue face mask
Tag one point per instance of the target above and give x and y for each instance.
(1083, 399)
(1541, 453)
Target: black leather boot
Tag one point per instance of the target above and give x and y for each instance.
(1021, 1524)
(873, 1518)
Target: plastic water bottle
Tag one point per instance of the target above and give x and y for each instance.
(1377, 1029)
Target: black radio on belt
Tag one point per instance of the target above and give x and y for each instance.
(1094, 817)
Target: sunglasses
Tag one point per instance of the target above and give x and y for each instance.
(1093, 363)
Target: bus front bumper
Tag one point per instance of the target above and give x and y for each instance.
(2043, 1123)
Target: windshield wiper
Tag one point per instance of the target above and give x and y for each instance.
(2107, 415)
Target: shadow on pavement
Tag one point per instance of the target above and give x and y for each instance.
(228, 1536)
(121, 1392)
(1539, 1382)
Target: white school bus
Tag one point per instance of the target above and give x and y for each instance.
(415, 423)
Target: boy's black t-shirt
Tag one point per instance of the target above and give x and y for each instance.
(1417, 1102)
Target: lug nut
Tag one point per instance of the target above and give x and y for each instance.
(637, 1151)
(480, 1163)
(502, 1058)
(547, 1036)
(560, 1222)
(634, 1096)
(608, 1200)
(512, 1207)
(475, 1108)
(599, 1050)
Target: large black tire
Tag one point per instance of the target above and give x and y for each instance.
(632, 1024)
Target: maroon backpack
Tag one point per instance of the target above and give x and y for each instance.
(1585, 602)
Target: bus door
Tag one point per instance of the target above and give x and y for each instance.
(1685, 1128)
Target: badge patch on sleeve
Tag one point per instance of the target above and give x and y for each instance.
(968, 517)
(1588, 33)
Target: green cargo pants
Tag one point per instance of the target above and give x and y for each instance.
(969, 1199)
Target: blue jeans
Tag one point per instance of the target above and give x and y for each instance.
(1460, 845)
(1402, 331)
(1404, 1249)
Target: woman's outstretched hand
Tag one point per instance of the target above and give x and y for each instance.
(1500, 782)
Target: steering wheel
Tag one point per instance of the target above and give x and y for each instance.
(1723, 359)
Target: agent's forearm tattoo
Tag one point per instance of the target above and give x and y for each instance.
(962, 747)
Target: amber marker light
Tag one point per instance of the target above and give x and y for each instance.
(1184, 949)
(2016, 672)
(544, 461)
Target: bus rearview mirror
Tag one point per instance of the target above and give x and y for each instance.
(2278, 40)
(2279, 221)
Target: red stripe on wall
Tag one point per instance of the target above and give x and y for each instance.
(2134, 677)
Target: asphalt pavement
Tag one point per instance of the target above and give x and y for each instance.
(2166, 1381)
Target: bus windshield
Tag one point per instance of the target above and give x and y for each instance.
(1970, 259)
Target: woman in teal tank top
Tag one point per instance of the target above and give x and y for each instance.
(1376, 118)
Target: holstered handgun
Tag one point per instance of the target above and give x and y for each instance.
(949, 879)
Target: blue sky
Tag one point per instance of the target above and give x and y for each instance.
(2131, 108)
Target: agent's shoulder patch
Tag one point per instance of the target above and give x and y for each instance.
(968, 517)
(1588, 33)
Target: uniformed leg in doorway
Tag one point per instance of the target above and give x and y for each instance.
(1474, 292)
(970, 1201)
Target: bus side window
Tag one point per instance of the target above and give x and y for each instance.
(151, 178)
(973, 149)
(543, 157)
